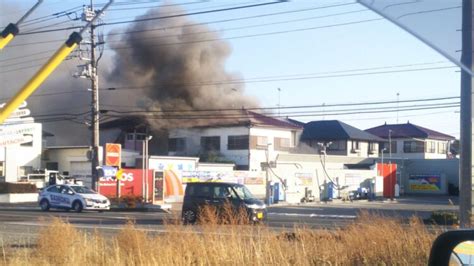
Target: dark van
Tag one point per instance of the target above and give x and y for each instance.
(217, 194)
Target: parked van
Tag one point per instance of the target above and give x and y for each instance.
(217, 194)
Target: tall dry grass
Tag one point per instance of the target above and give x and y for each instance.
(372, 240)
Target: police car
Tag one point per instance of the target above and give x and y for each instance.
(71, 197)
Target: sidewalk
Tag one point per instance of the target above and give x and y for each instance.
(441, 200)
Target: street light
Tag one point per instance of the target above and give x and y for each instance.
(392, 186)
(383, 150)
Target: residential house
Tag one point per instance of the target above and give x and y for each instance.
(338, 138)
(409, 141)
(248, 140)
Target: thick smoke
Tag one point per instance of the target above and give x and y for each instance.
(175, 66)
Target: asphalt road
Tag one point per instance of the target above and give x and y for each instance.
(21, 225)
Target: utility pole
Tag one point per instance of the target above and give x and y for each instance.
(398, 95)
(89, 71)
(95, 107)
(279, 91)
(465, 162)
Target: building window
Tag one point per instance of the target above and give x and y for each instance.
(211, 143)
(442, 148)
(140, 136)
(285, 143)
(177, 144)
(130, 136)
(431, 147)
(413, 146)
(238, 142)
(355, 146)
(385, 145)
(52, 166)
(262, 141)
(372, 147)
(339, 145)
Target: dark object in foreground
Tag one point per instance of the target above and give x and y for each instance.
(229, 202)
(443, 249)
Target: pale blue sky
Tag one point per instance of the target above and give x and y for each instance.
(358, 46)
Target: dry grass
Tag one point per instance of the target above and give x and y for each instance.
(372, 240)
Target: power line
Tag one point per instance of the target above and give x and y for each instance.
(219, 116)
(206, 23)
(237, 28)
(222, 114)
(242, 81)
(226, 20)
(163, 17)
(257, 35)
(303, 106)
(219, 111)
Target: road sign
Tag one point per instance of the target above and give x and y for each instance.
(16, 130)
(113, 153)
(20, 113)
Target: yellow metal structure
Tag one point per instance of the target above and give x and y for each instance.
(38, 78)
(6, 40)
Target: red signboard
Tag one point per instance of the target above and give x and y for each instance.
(389, 173)
(113, 155)
(131, 183)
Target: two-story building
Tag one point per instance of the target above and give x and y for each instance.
(338, 138)
(248, 141)
(409, 141)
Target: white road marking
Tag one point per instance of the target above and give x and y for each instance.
(313, 215)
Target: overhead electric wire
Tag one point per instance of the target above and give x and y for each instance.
(198, 24)
(222, 114)
(219, 112)
(219, 116)
(291, 107)
(256, 35)
(156, 6)
(225, 20)
(163, 17)
(234, 28)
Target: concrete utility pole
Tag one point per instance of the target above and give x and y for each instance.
(95, 107)
(90, 72)
(465, 167)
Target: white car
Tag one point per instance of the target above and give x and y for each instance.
(72, 197)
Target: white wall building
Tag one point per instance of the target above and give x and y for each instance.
(337, 138)
(18, 160)
(246, 143)
(409, 141)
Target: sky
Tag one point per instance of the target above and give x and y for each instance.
(325, 55)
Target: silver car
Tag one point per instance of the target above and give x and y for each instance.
(72, 197)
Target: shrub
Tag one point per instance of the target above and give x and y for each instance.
(6, 187)
(131, 201)
(444, 218)
(370, 240)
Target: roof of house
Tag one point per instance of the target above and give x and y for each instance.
(408, 130)
(263, 120)
(328, 130)
(295, 122)
(237, 118)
